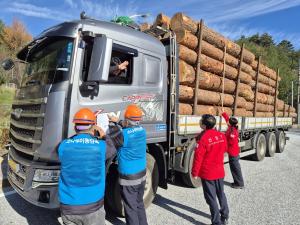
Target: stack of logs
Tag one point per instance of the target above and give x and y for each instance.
(222, 64)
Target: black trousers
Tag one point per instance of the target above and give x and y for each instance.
(212, 190)
(132, 196)
(236, 171)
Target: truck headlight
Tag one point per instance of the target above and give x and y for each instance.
(41, 175)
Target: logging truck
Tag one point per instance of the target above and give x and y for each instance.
(67, 68)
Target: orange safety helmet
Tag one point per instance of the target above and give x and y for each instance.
(133, 112)
(84, 116)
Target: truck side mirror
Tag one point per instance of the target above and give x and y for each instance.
(7, 64)
(100, 60)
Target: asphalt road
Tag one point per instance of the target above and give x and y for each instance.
(271, 197)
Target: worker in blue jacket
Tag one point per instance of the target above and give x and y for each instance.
(82, 177)
(131, 156)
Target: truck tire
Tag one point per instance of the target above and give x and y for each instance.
(113, 197)
(187, 178)
(261, 147)
(280, 141)
(271, 144)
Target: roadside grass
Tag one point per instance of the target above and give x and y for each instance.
(6, 99)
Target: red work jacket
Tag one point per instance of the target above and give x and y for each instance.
(232, 136)
(209, 155)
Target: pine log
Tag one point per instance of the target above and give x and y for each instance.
(249, 106)
(280, 105)
(266, 80)
(264, 107)
(185, 109)
(252, 83)
(246, 92)
(249, 114)
(264, 114)
(266, 89)
(186, 38)
(145, 26)
(186, 73)
(241, 112)
(213, 110)
(179, 20)
(186, 94)
(162, 21)
(188, 55)
(189, 40)
(215, 53)
(264, 70)
(212, 82)
(265, 99)
(211, 65)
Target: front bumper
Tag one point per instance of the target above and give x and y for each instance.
(40, 194)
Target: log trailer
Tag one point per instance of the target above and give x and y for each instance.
(67, 68)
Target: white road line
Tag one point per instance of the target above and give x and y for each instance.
(7, 193)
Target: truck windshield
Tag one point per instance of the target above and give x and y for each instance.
(48, 62)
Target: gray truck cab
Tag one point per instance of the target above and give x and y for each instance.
(68, 67)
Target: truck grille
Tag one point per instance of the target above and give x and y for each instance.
(26, 126)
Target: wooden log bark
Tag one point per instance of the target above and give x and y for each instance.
(179, 20)
(211, 65)
(145, 26)
(249, 106)
(241, 112)
(162, 21)
(189, 40)
(246, 92)
(187, 55)
(186, 38)
(212, 82)
(266, 89)
(264, 107)
(266, 80)
(264, 70)
(280, 105)
(186, 73)
(186, 95)
(265, 99)
(213, 110)
(249, 114)
(185, 109)
(252, 83)
(264, 114)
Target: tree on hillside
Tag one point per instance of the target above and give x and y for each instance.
(282, 56)
(15, 36)
(12, 39)
(266, 40)
(1, 26)
(286, 46)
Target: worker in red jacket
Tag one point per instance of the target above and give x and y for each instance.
(209, 166)
(232, 136)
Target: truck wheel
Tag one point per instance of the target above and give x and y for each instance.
(271, 143)
(280, 141)
(261, 147)
(187, 178)
(113, 197)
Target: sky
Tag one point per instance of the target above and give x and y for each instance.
(232, 18)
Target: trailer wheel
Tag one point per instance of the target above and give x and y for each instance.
(280, 141)
(113, 197)
(271, 143)
(261, 147)
(187, 178)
